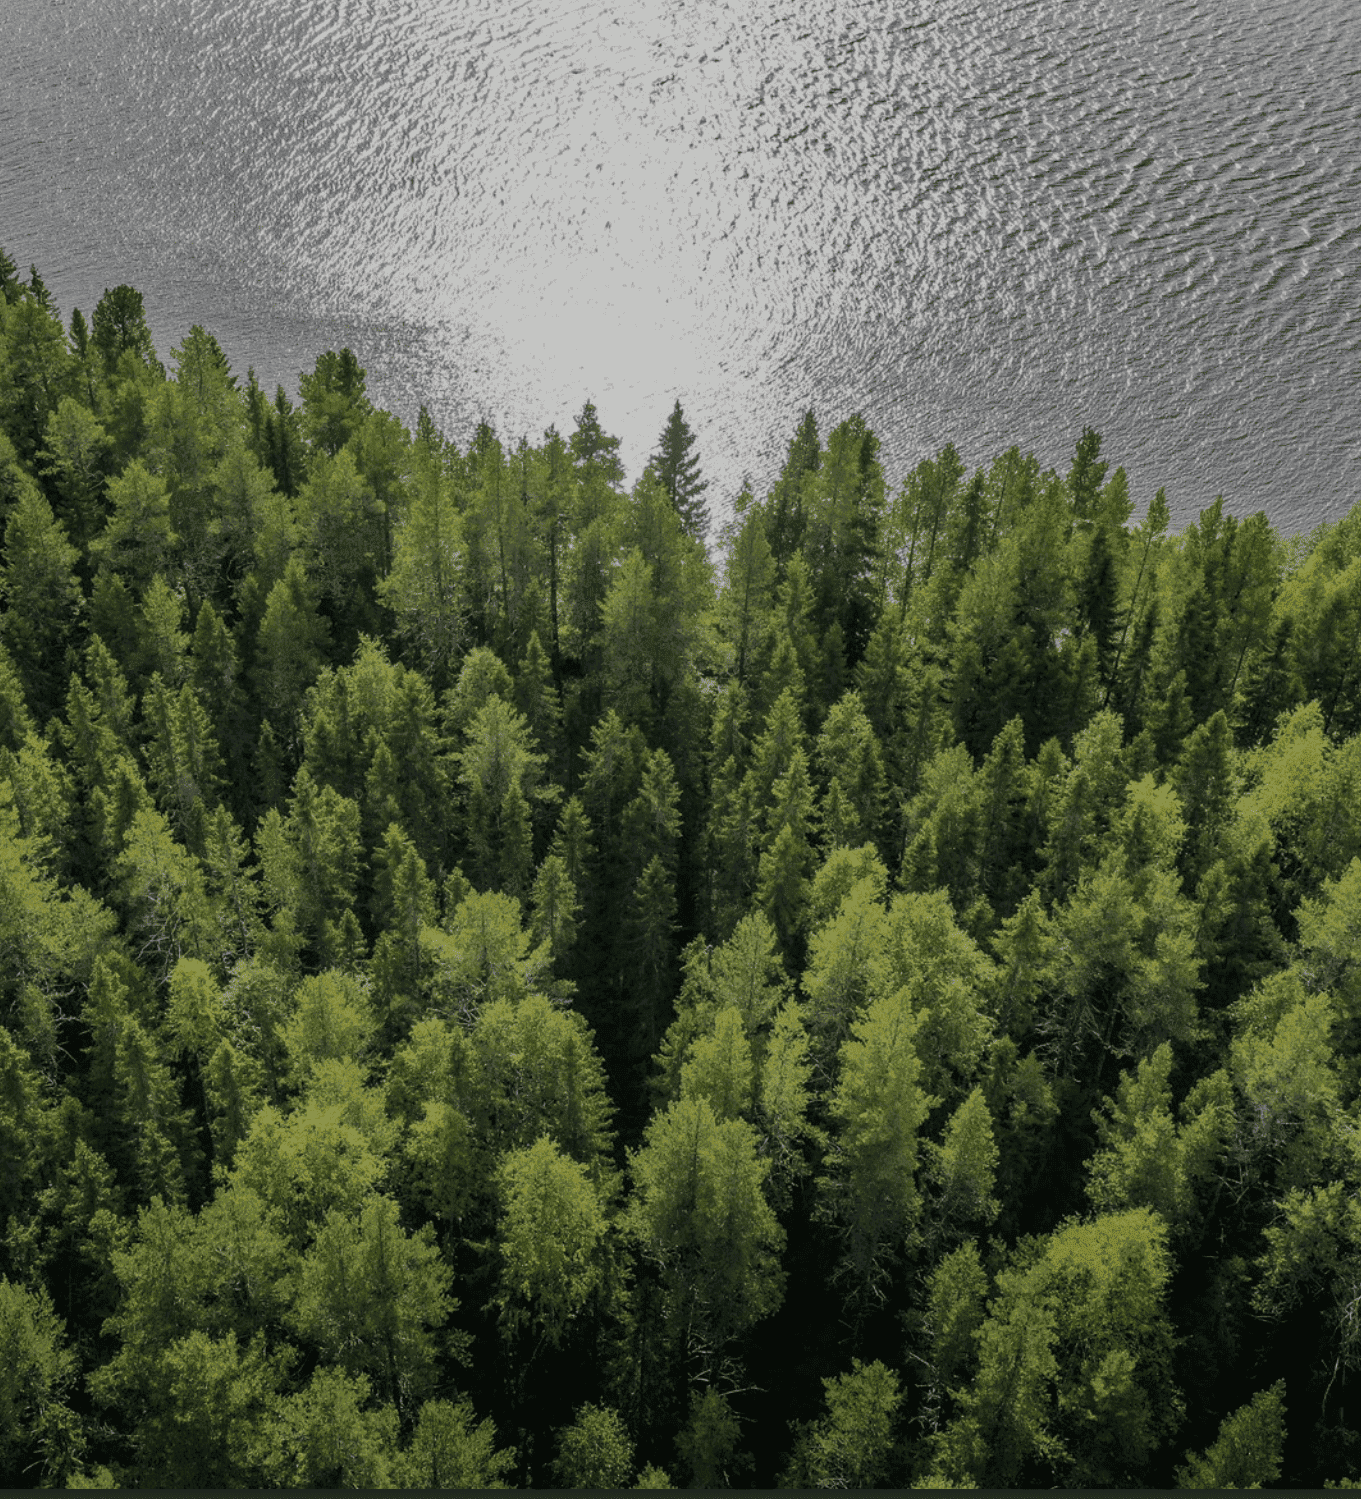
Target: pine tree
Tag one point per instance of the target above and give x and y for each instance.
(592, 447)
(678, 470)
(10, 285)
(785, 506)
(119, 327)
(335, 401)
(36, 376)
(1086, 475)
(42, 598)
(76, 458)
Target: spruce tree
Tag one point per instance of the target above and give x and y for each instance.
(678, 470)
(591, 444)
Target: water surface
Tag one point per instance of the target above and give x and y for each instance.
(989, 221)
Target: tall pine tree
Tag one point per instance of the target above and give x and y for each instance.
(678, 469)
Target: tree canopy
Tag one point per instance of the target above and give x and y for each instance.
(510, 976)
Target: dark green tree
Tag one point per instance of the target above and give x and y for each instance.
(678, 471)
(119, 327)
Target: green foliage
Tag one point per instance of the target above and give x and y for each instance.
(334, 400)
(1285, 1070)
(331, 1022)
(369, 1294)
(708, 1445)
(330, 1435)
(540, 1072)
(852, 1445)
(484, 956)
(678, 471)
(548, 1239)
(76, 457)
(37, 1429)
(207, 1423)
(595, 1451)
(451, 1449)
(328, 1153)
(119, 326)
(1147, 1160)
(719, 1067)
(386, 822)
(1247, 1452)
(953, 1313)
(965, 1167)
(1074, 1361)
(869, 1191)
(698, 1213)
(41, 595)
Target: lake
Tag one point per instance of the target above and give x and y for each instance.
(985, 221)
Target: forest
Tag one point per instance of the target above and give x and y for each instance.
(513, 979)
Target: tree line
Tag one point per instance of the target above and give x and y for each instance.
(506, 979)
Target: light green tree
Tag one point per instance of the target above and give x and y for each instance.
(595, 1451)
(501, 775)
(206, 1424)
(1075, 1361)
(369, 1295)
(850, 760)
(852, 1445)
(77, 458)
(291, 648)
(956, 1291)
(1145, 1159)
(707, 1445)
(946, 978)
(783, 1104)
(719, 1067)
(698, 1213)
(869, 1190)
(331, 1021)
(1247, 1452)
(840, 977)
(963, 1171)
(329, 1152)
(451, 1449)
(38, 1432)
(331, 1434)
(540, 1072)
(548, 1240)
(42, 598)
(482, 955)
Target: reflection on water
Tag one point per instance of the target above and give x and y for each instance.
(980, 220)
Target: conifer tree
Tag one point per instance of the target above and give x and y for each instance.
(119, 327)
(785, 507)
(37, 372)
(76, 457)
(591, 446)
(678, 470)
(42, 599)
(335, 401)
(870, 1193)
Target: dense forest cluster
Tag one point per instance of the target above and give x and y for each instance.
(495, 992)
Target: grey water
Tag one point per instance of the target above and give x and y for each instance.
(979, 221)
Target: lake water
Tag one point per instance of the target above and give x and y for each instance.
(986, 221)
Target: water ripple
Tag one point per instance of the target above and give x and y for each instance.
(992, 221)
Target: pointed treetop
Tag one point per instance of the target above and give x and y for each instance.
(9, 277)
(804, 455)
(677, 469)
(590, 444)
(1087, 474)
(38, 287)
